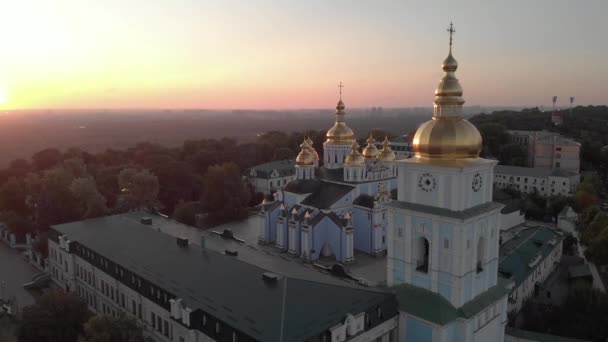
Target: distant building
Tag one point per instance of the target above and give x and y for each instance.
(271, 176)
(545, 182)
(549, 150)
(527, 260)
(402, 149)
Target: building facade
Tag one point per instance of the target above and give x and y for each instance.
(549, 150)
(544, 181)
(272, 176)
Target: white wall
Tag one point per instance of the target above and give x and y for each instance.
(511, 220)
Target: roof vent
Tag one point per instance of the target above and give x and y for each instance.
(270, 278)
(227, 233)
(182, 242)
(231, 252)
(146, 220)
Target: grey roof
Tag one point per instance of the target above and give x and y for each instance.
(284, 168)
(462, 215)
(517, 253)
(337, 175)
(433, 307)
(578, 271)
(557, 139)
(322, 194)
(537, 172)
(280, 312)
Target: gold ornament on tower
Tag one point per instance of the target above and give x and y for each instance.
(448, 135)
(340, 133)
(370, 151)
(355, 158)
(312, 149)
(387, 153)
(305, 157)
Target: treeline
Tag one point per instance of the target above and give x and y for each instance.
(201, 176)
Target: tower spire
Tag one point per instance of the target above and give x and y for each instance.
(451, 30)
(340, 86)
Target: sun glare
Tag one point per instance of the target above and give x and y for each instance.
(3, 96)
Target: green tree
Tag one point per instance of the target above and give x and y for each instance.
(494, 136)
(85, 190)
(185, 212)
(47, 158)
(57, 316)
(104, 328)
(139, 188)
(12, 197)
(225, 197)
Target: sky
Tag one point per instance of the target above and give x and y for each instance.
(291, 54)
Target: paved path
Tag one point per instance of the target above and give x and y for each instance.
(14, 272)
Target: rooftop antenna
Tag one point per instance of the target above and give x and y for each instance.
(554, 101)
(451, 30)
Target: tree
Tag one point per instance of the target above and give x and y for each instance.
(47, 158)
(85, 190)
(12, 197)
(104, 328)
(225, 197)
(57, 316)
(185, 212)
(494, 136)
(140, 188)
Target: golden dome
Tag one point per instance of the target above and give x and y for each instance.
(312, 149)
(355, 158)
(305, 157)
(447, 137)
(340, 133)
(386, 154)
(370, 151)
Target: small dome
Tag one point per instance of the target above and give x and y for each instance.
(387, 153)
(312, 149)
(355, 158)
(447, 137)
(449, 63)
(305, 157)
(370, 151)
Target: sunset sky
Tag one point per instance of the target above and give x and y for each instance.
(291, 54)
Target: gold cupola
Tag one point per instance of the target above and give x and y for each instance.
(447, 135)
(386, 154)
(370, 151)
(355, 158)
(340, 133)
(312, 149)
(305, 157)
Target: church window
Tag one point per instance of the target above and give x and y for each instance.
(446, 243)
(218, 327)
(480, 253)
(383, 239)
(235, 337)
(468, 244)
(379, 312)
(422, 261)
(204, 320)
(400, 232)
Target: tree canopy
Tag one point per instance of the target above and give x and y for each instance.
(105, 328)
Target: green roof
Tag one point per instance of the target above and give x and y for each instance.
(539, 337)
(433, 307)
(290, 310)
(528, 244)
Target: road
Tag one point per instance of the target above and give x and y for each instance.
(14, 272)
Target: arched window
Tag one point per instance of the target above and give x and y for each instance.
(422, 255)
(481, 250)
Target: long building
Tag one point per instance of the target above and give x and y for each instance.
(546, 182)
(180, 291)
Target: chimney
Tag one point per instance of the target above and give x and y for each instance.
(146, 220)
(231, 252)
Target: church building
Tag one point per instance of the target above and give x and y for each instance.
(333, 210)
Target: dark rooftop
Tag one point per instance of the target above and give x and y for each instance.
(463, 215)
(239, 286)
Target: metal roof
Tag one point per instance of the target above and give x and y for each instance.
(292, 309)
(462, 215)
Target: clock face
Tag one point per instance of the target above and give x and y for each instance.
(427, 182)
(477, 182)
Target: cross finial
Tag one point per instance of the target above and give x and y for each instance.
(340, 86)
(451, 30)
